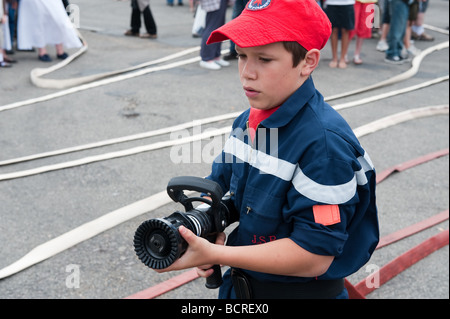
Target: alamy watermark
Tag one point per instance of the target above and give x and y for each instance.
(73, 279)
(199, 150)
(373, 20)
(202, 147)
(373, 279)
(74, 14)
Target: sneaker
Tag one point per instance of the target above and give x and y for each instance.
(405, 56)
(412, 50)
(394, 60)
(404, 53)
(357, 60)
(222, 62)
(382, 46)
(210, 65)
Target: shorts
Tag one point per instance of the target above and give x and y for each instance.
(364, 15)
(413, 11)
(423, 5)
(342, 17)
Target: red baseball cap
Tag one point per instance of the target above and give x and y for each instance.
(268, 21)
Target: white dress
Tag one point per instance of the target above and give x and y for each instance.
(45, 22)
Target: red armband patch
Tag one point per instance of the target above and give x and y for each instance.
(326, 214)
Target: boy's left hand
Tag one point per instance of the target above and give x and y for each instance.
(198, 254)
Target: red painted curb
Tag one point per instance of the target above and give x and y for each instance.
(165, 286)
(403, 262)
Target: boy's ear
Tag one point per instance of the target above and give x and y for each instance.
(310, 62)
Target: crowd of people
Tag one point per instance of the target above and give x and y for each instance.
(36, 24)
(400, 23)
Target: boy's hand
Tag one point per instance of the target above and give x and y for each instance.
(206, 270)
(198, 254)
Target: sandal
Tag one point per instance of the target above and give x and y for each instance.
(342, 65)
(148, 36)
(9, 60)
(425, 37)
(422, 37)
(357, 60)
(131, 33)
(333, 64)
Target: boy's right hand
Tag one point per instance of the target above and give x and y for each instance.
(206, 270)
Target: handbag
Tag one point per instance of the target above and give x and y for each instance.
(199, 22)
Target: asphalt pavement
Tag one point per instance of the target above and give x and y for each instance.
(37, 208)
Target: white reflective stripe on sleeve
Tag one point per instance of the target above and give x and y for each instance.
(332, 194)
(328, 194)
(361, 177)
(366, 164)
(268, 164)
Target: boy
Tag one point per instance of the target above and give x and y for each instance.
(307, 206)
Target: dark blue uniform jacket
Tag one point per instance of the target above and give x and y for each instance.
(304, 155)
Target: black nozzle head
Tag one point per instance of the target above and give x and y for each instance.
(157, 243)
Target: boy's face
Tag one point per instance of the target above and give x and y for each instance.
(267, 75)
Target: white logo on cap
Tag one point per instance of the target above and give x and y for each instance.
(258, 4)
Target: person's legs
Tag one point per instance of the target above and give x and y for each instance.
(344, 48)
(418, 31)
(358, 48)
(135, 21)
(3, 63)
(214, 20)
(399, 16)
(12, 23)
(238, 7)
(150, 24)
(334, 48)
(43, 55)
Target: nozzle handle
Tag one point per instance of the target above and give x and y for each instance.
(215, 280)
(179, 184)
